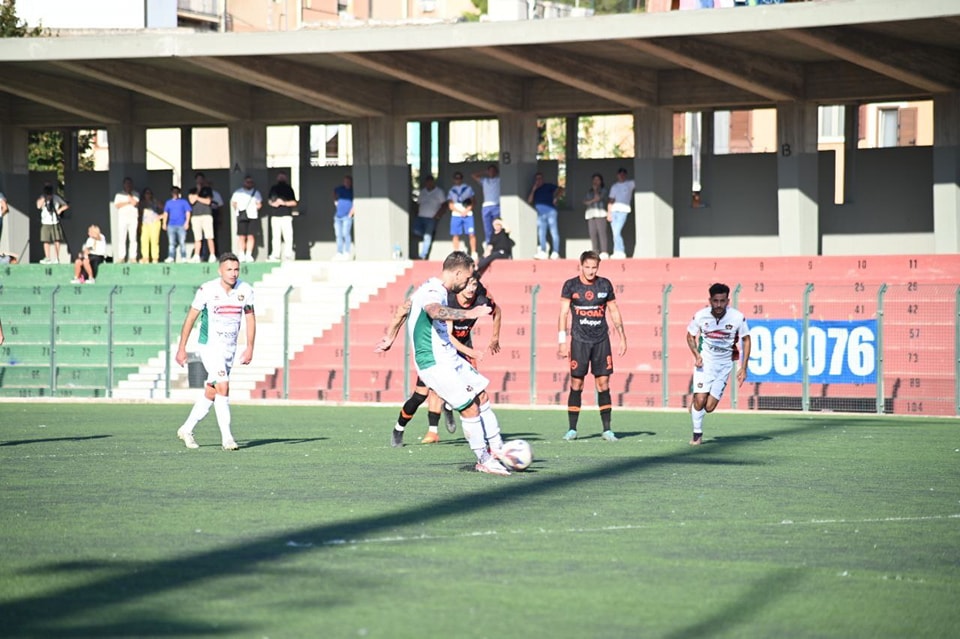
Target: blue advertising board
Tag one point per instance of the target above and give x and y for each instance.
(841, 352)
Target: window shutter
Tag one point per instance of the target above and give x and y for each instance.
(740, 141)
(907, 129)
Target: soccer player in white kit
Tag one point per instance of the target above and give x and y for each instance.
(442, 369)
(220, 304)
(713, 337)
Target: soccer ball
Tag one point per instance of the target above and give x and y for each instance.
(516, 454)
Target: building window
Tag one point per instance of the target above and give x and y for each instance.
(831, 123)
(888, 124)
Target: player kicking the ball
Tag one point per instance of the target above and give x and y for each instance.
(713, 335)
(440, 367)
(220, 304)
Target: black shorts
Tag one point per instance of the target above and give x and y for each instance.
(95, 262)
(597, 358)
(246, 226)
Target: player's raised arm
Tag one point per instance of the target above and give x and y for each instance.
(403, 311)
(440, 312)
(617, 320)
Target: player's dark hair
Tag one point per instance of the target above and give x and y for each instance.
(589, 255)
(719, 289)
(458, 259)
(597, 175)
(228, 257)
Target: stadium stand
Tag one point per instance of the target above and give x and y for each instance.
(845, 289)
(331, 357)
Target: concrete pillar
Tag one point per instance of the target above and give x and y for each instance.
(707, 139)
(946, 172)
(426, 148)
(15, 186)
(797, 179)
(381, 185)
(518, 165)
(186, 157)
(851, 143)
(653, 173)
(248, 156)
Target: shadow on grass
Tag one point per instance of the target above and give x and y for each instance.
(621, 434)
(740, 612)
(47, 440)
(253, 443)
(56, 613)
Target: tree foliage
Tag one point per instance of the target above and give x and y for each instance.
(599, 6)
(45, 152)
(11, 26)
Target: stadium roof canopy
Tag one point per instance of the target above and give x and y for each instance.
(827, 52)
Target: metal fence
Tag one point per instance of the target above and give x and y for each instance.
(888, 348)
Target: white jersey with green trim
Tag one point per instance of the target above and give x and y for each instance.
(221, 312)
(430, 337)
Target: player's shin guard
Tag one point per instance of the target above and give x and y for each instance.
(606, 407)
(198, 412)
(491, 426)
(410, 408)
(697, 418)
(574, 401)
(473, 429)
(221, 406)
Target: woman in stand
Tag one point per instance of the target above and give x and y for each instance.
(150, 226)
(596, 202)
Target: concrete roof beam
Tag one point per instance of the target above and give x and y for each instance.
(217, 100)
(97, 104)
(624, 85)
(490, 92)
(926, 67)
(770, 78)
(331, 91)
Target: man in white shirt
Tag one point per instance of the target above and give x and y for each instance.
(220, 304)
(431, 204)
(126, 202)
(490, 183)
(245, 204)
(461, 214)
(713, 337)
(619, 206)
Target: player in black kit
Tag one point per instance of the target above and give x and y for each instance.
(588, 298)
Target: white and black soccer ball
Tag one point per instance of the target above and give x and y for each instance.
(516, 454)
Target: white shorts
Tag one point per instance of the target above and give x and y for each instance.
(218, 363)
(202, 227)
(457, 385)
(713, 377)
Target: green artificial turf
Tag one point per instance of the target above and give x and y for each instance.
(778, 526)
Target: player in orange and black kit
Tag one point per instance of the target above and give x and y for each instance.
(588, 298)
(474, 294)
